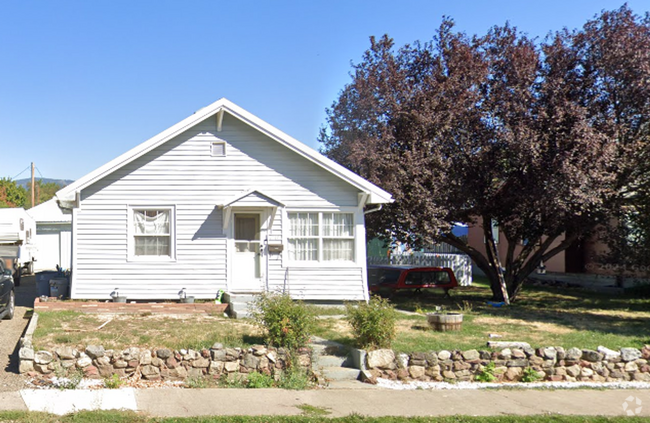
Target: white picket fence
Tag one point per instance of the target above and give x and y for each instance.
(461, 264)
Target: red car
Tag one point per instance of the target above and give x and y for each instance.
(386, 279)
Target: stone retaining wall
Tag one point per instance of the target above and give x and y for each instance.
(551, 364)
(157, 364)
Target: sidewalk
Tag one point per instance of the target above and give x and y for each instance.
(168, 402)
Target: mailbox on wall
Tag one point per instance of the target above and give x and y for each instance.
(275, 248)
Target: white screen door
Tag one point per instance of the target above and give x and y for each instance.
(246, 261)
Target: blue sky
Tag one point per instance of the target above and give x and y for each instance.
(81, 82)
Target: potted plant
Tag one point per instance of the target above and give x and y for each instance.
(444, 321)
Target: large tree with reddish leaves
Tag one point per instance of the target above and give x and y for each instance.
(501, 128)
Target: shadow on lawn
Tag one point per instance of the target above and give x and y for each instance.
(570, 308)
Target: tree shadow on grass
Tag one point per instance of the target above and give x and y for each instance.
(574, 309)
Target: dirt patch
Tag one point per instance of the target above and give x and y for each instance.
(145, 331)
(495, 322)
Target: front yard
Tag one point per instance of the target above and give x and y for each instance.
(541, 317)
(72, 328)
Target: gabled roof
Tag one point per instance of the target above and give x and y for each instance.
(252, 193)
(49, 212)
(376, 195)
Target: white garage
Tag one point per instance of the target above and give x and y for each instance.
(53, 236)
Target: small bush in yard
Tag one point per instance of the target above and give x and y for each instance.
(260, 380)
(287, 323)
(373, 323)
(487, 373)
(530, 375)
(113, 382)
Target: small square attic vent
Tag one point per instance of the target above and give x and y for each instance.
(218, 149)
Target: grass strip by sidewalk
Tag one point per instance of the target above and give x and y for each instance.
(131, 417)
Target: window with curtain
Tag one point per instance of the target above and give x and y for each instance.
(321, 237)
(151, 232)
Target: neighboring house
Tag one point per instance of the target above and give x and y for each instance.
(476, 239)
(220, 201)
(53, 236)
(582, 257)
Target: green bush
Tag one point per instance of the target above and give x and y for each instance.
(287, 323)
(295, 378)
(113, 382)
(487, 374)
(260, 380)
(373, 323)
(530, 375)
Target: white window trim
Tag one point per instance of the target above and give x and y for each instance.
(320, 262)
(222, 143)
(131, 234)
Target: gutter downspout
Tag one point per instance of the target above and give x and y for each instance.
(376, 209)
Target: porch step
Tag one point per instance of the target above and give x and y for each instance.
(239, 304)
(339, 373)
(330, 361)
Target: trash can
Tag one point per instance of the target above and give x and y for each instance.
(43, 282)
(59, 287)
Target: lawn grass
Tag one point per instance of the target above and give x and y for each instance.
(147, 331)
(541, 317)
(130, 417)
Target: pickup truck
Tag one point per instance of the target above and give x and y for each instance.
(387, 279)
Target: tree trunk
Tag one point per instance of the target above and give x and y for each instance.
(498, 286)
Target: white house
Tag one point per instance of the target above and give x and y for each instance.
(220, 201)
(53, 236)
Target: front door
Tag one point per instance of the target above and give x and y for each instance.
(247, 275)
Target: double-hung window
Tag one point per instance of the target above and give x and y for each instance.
(152, 233)
(321, 237)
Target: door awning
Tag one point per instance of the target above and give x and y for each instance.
(250, 198)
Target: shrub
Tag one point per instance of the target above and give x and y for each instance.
(487, 374)
(196, 382)
(260, 380)
(287, 323)
(530, 375)
(373, 323)
(295, 378)
(113, 382)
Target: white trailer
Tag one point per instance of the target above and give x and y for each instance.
(17, 230)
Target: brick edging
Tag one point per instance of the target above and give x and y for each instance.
(99, 307)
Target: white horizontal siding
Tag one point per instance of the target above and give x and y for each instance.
(182, 174)
(323, 283)
(102, 262)
(182, 170)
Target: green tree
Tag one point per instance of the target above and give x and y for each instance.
(12, 195)
(44, 192)
(500, 128)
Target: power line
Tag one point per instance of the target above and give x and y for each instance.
(27, 168)
(39, 172)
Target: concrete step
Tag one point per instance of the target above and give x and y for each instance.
(238, 298)
(239, 314)
(322, 346)
(239, 304)
(330, 361)
(339, 373)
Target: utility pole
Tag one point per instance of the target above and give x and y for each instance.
(33, 188)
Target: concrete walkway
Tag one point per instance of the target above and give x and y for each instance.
(168, 402)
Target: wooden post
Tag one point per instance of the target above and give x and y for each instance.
(33, 190)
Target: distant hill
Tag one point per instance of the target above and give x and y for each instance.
(26, 181)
